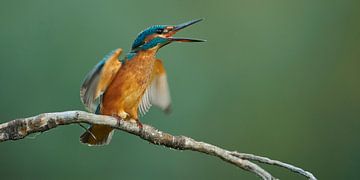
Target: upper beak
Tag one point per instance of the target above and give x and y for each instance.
(182, 26)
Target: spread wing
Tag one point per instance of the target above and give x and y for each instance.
(157, 93)
(98, 79)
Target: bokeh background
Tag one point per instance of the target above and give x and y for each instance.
(276, 78)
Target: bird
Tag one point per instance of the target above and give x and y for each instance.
(129, 86)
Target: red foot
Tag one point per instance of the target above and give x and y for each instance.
(117, 117)
(139, 124)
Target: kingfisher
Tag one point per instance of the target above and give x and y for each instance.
(124, 88)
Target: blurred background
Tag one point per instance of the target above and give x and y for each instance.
(276, 78)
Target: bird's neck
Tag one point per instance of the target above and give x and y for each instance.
(143, 54)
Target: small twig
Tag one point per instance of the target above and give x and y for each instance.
(20, 128)
(87, 130)
(266, 160)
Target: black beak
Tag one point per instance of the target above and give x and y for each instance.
(182, 26)
(185, 39)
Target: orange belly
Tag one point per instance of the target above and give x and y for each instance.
(124, 93)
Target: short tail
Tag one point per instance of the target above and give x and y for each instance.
(97, 135)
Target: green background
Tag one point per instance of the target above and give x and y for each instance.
(275, 78)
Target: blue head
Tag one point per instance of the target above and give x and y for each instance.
(158, 36)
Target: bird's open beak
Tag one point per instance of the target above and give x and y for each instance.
(182, 26)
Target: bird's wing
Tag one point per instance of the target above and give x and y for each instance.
(158, 92)
(98, 79)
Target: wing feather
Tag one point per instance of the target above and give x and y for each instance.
(158, 92)
(145, 103)
(98, 79)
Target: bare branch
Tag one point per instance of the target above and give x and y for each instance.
(20, 128)
(266, 160)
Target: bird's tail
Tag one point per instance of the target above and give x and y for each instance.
(97, 135)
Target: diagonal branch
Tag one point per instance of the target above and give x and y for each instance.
(20, 128)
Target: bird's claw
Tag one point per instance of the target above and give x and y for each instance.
(138, 123)
(117, 117)
(121, 116)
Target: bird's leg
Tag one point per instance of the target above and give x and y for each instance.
(138, 123)
(121, 116)
(117, 117)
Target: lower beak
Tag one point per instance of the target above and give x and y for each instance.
(185, 39)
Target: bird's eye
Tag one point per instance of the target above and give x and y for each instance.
(159, 31)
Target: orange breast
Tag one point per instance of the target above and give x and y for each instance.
(125, 92)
